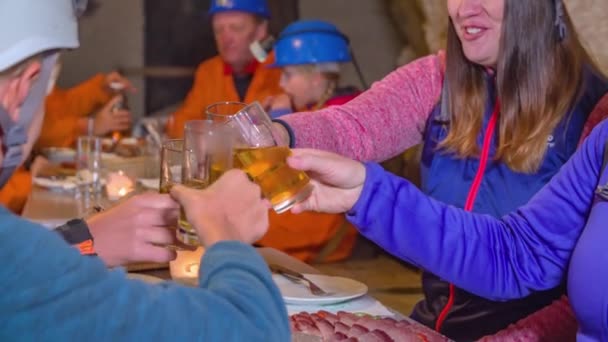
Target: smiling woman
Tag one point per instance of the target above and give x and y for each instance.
(485, 110)
(478, 25)
(521, 43)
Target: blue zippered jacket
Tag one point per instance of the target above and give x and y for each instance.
(562, 229)
(449, 178)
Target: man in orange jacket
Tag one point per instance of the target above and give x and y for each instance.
(233, 75)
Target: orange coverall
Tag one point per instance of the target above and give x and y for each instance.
(213, 83)
(63, 108)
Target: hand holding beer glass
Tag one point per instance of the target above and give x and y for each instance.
(207, 154)
(258, 154)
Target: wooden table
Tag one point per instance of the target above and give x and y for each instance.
(50, 208)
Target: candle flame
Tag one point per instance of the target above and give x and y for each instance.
(122, 192)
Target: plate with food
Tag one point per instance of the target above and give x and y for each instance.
(56, 177)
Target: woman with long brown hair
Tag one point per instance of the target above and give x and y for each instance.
(499, 113)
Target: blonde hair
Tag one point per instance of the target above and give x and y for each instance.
(332, 82)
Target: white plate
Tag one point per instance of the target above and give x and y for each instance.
(145, 278)
(66, 184)
(59, 154)
(341, 289)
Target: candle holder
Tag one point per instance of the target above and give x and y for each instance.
(118, 185)
(184, 269)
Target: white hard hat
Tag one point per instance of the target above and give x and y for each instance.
(29, 27)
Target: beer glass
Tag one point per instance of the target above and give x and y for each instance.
(207, 154)
(171, 158)
(257, 153)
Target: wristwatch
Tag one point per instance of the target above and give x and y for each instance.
(76, 232)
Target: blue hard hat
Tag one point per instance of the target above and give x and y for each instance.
(311, 42)
(257, 7)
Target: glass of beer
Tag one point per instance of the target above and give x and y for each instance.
(171, 158)
(257, 153)
(207, 154)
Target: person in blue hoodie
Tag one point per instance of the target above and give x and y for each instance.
(560, 234)
(53, 293)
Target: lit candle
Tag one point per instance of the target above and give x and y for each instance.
(118, 185)
(184, 269)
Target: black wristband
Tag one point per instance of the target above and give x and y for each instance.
(76, 232)
(292, 137)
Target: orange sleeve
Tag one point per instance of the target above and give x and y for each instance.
(304, 235)
(82, 99)
(63, 108)
(194, 104)
(59, 128)
(14, 193)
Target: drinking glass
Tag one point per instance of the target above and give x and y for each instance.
(258, 154)
(171, 158)
(207, 155)
(88, 164)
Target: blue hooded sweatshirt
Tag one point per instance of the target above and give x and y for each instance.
(52, 293)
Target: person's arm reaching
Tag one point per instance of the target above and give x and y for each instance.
(506, 258)
(381, 122)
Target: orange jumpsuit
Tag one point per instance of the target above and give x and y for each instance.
(304, 236)
(63, 108)
(14, 193)
(213, 82)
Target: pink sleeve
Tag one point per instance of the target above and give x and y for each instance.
(380, 123)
